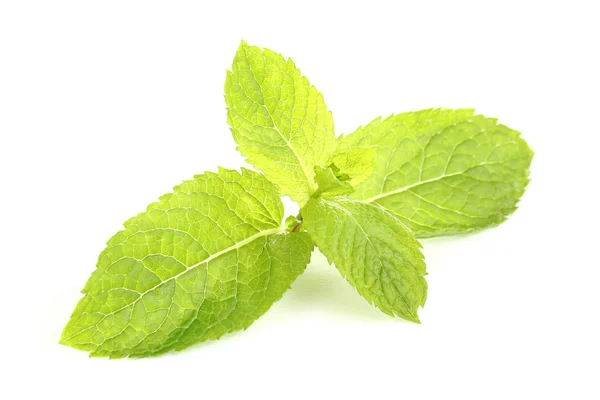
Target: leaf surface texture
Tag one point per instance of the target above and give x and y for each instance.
(207, 259)
(443, 172)
(373, 250)
(279, 121)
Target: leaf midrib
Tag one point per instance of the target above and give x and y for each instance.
(419, 183)
(276, 128)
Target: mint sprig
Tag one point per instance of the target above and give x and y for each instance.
(212, 256)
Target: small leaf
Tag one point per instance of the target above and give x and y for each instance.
(329, 184)
(358, 163)
(207, 259)
(373, 250)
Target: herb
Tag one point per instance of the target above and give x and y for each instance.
(214, 255)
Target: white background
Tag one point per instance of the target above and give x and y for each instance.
(104, 106)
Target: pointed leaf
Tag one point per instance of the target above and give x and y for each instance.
(207, 259)
(278, 119)
(443, 172)
(373, 250)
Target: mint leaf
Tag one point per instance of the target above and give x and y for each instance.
(329, 184)
(373, 250)
(443, 172)
(213, 256)
(278, 119)
(207, 259)
(357, 163)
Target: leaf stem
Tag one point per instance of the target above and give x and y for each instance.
(299, 225)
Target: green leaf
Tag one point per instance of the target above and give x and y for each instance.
(443, 172)
(329, 184)
(357, 163)
(278, 120)
(207, 259)
(373, 250)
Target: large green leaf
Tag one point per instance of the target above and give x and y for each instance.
(373, 250)
(279, 121)
(443, 171)
(207, 259)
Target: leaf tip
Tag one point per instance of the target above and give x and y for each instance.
(412, 317)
